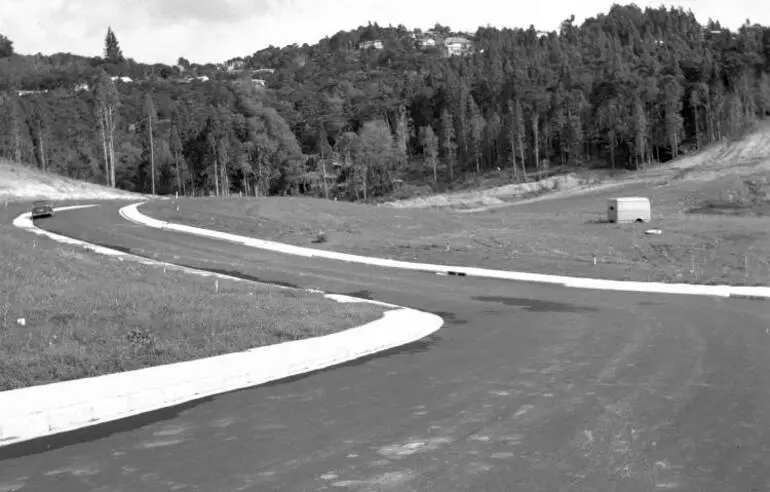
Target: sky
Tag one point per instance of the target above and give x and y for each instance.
(160, 31)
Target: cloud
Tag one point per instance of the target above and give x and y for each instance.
(209, 12)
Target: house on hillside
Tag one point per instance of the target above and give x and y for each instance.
(31, 93)
(457, 46)
(81, 87)
(426, 42)
(375, 44)
(124, 79)
(258, 82)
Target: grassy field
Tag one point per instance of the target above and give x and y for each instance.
(86, 314)
(716, 227)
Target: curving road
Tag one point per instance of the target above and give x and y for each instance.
(527, 388)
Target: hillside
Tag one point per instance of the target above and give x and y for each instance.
(735, 158)
(22, 183)
(383, 113)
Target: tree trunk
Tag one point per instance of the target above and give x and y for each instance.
(435, 170)
(107, 173)
(41, 150)
(366, 184)
(513, 153)
(16, 136)
(111, 145)
(152, 158)
(520, 138)
(216, 175)
(612, 148)
(326, 185)
(536, 139)
(178, 176)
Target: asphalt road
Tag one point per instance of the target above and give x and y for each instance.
(526, 388)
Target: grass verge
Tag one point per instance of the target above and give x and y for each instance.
(565, 236)
(87, 314)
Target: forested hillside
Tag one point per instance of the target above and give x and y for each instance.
(363, 112)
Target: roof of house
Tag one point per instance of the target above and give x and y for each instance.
(456, 40)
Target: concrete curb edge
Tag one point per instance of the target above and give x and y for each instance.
(132, 214)
(44, 410)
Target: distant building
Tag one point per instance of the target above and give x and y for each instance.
(124, 79)
(426, 42)
(375, 44)
(31, 93)
(258, 82)
(258, 72)
(458, 46)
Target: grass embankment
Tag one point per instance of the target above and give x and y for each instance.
(716, 228)
(87, 314)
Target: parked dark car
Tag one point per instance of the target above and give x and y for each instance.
(42, 208)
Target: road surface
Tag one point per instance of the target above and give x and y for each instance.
(526, 388)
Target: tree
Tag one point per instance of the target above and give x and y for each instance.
(38, 129)
(6, 47)
(151, 116)
(640, 131)
(475, 132)
(429, 143)
(12, 119)
(377, 157)
(106, 104)
(183, 63)
(324, 151)
(112, 52)
(671, 92)
(447, 145)
(175, 144)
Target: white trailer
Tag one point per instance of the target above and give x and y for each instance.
(629, 209)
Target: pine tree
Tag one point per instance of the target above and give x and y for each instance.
(672, 106)
(6, 47)
(112, 52)
(476, 125)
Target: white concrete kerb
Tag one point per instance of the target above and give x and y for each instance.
(132, 213)
(38, 411)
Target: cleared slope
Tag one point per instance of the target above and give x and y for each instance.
(23, 183)
(721, 159)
